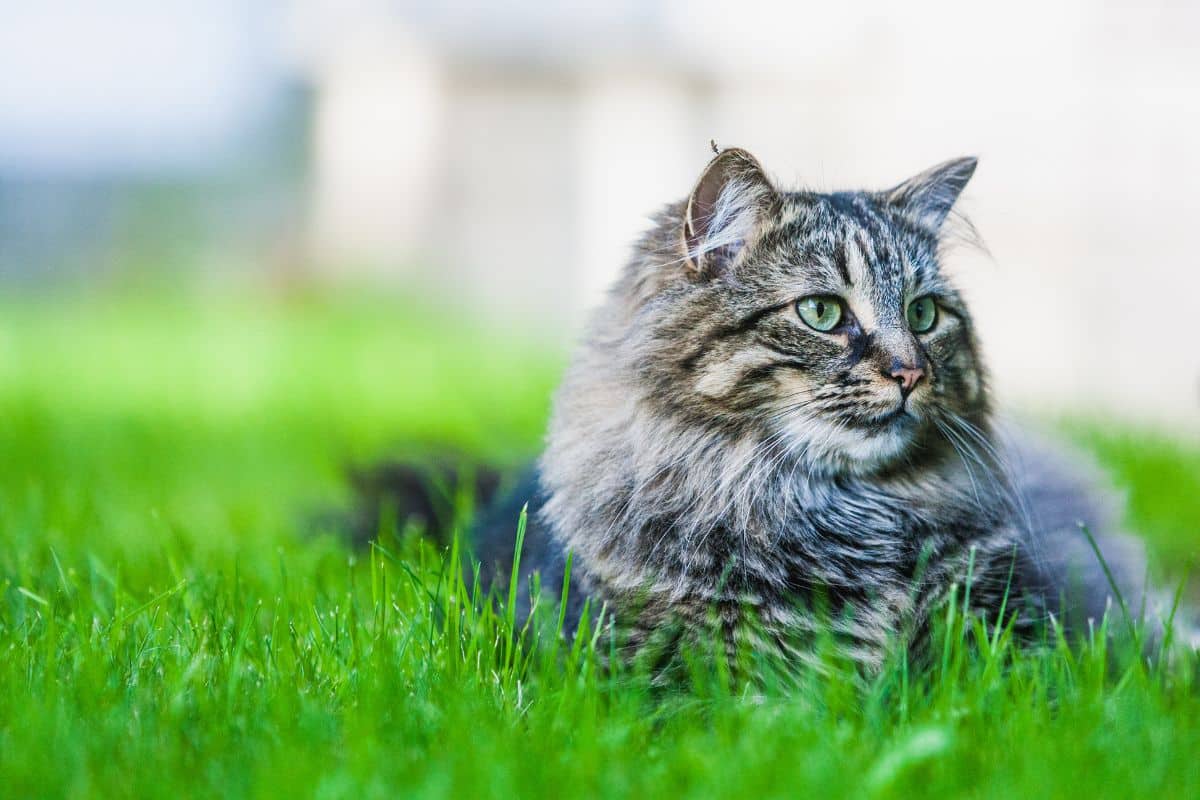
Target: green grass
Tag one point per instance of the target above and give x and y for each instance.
(170, 627)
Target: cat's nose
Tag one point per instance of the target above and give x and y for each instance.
(906, 376)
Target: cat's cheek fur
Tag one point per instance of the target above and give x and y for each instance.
(718, 378)
(960, 382)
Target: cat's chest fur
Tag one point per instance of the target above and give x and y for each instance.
(788, 556)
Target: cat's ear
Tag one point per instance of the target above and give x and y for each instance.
(927, 198)
(724, 211)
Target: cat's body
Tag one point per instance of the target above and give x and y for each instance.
(763, 422)
(870, 559)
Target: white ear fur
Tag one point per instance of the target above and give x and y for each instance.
(724, 210)
(928, 197)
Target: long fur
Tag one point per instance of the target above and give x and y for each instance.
(711, 457)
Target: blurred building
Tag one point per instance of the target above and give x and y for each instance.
(516, 151)
(513, 152)
(505, 155)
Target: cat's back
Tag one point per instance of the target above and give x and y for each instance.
(1067, 515)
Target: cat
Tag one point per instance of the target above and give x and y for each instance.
(778, 423)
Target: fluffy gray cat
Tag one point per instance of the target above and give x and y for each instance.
(778, 421)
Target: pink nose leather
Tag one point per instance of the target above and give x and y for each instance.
(907, 377)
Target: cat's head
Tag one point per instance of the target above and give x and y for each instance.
(822, 321)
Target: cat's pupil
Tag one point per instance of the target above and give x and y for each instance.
(820, 309)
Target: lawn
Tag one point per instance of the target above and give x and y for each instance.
(174, 624)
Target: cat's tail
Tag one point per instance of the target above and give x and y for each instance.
(429, 494)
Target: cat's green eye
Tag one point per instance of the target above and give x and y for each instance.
(922, 314)
(820, 312)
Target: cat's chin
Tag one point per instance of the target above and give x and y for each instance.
(858, 450)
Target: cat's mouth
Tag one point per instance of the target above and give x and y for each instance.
(899, 416)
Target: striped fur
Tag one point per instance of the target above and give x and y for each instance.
(711, 457)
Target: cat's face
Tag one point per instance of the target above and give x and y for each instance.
(823, 320)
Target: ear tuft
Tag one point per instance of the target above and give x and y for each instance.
(928, 197)
(724, 210)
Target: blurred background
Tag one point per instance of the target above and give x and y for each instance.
(498, 159)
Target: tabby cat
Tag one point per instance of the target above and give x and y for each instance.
(782, 407)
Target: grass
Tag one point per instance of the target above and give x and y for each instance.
(170, 626)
